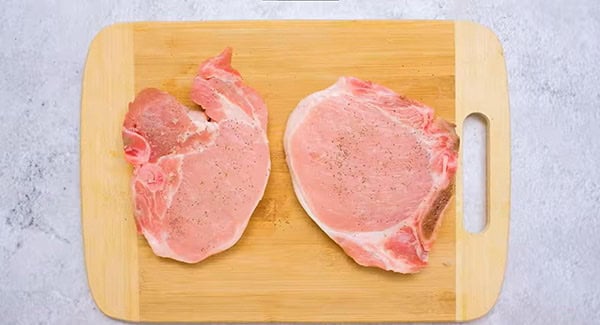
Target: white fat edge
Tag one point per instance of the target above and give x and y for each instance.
(240, 116)
(160, 246)
(254, 116)
(441, 180)
(201, 126)
(374, 243)
(234, 112)
(199, 119)
(240, 111)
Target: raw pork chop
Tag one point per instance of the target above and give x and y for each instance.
(374, 170)
(198, 174)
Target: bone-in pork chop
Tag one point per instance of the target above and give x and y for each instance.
(198, 174)
(374, 170)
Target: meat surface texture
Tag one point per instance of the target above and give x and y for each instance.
(198, 174)
(374, 170)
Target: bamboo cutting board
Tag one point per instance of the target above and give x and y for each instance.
(285, 268)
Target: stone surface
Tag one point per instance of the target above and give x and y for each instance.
(552, 50)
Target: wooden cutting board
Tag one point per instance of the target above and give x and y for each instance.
(285, 268)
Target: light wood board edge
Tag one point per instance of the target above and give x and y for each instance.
(481, 87)
(108, 84)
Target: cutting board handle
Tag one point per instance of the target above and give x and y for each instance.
(481, 87)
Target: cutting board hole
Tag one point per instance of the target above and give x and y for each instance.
(474, 172)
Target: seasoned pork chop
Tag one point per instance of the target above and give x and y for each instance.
(374, 170)
(198, 174)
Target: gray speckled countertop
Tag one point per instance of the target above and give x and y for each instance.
(552, 50)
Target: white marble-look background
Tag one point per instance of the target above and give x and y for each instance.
(552, 50)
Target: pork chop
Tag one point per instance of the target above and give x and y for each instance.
(198, 174)
(374, 170)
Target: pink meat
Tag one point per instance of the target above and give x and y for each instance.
(374, 170)
(198, 174)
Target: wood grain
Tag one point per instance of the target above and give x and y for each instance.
(481, 88)
(284, 268)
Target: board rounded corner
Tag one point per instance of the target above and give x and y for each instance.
(104, 307)
(97, 47)
(482, 29)
(101, 300)
(483, 311)
(108, 30)
(97, 42)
